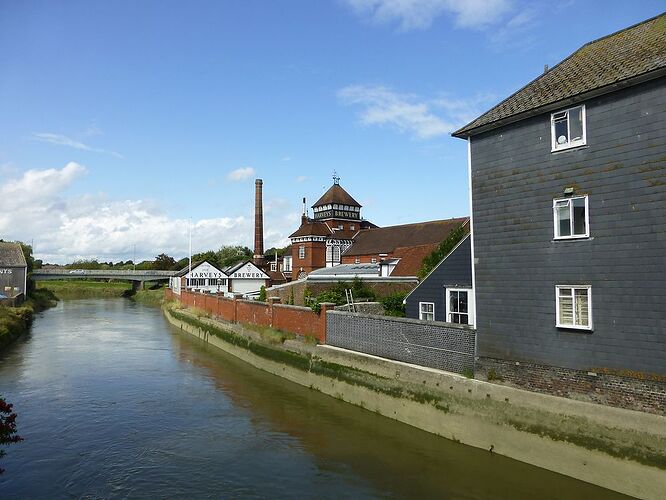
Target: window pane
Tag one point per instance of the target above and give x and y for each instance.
(563, 219)
(566, 307)
(561, 132)
(462, 302)
(579, 215)
(576, 124)
(582, 316)
(453, 301)
(455, 318)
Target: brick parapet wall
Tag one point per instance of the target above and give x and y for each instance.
(642, 393)
(381, 289)
(291, 319)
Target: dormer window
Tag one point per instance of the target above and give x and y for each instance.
(568, 128)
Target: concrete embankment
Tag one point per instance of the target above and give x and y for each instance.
(618, 449)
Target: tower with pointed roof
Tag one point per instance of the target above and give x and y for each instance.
(321, 240)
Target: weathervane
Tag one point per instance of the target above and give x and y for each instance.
(336, 177)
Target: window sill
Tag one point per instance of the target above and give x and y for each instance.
(573, 328)
(574, 238)
(570, 148)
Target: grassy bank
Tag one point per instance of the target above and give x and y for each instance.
(83, 289)
(15, 321)
(149, 297)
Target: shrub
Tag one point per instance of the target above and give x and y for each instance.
(393, 304)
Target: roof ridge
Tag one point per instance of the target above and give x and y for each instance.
(419, 223)
(464, 130)
(645, 21)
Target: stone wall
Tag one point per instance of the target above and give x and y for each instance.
(638, 392)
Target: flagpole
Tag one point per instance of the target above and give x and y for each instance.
(189, 227)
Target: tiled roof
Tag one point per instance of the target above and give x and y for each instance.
(627, 54)
(387, 239)
(11, 255)
(411, 259)
(312, 228)
(336, 194)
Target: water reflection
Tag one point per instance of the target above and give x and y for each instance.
(115, 403)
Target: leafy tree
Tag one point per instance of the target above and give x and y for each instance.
(228, 255)
(444, 248)
(262, 294)
(7, 427)
(164, 262)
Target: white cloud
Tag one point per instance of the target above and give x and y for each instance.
(241, 174)
(406, 112)
(419, 14)
(35, 205)
(63, 140)
(302, 178)
(286, 158)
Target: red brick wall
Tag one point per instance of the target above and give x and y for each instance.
(290, 319)
(315, 257)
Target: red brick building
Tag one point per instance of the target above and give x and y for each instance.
(321, 240)
(400, 250)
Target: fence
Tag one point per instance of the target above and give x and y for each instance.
(291, 319)
(433, 343)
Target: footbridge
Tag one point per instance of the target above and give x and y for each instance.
(138, 278)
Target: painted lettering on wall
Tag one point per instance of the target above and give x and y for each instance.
(5, 271)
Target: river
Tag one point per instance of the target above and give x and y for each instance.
(114, 402)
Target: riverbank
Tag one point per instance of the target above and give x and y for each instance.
(15, 321)
(153, 298)
(81, 289)
(618, 449)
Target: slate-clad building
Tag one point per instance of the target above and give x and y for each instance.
(568, 180)
(446, 293)
(13, 270)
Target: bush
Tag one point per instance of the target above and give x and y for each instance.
(393, 304)
(444, 248)
(262, 294)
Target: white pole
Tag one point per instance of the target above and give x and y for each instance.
(189, 226)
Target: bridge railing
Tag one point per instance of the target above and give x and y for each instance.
(102, 272)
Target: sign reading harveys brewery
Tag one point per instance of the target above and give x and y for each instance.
(5, 271)
(249, 271)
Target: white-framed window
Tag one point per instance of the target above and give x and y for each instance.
(273, 266)
(373, 260)
(573, 306)
(352, 227)
(459, 306)
(357, 260)
(568, 129)
(571, 218)
(287, 264)
(427, 311)
(301, 252)
(341, 226)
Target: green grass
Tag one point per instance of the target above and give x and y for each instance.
(149, 297)
(83, 289)
(14, 321)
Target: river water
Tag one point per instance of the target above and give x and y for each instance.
(114, 402)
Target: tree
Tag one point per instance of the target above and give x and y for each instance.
(7, 427)
(228, 255)
(164, 262)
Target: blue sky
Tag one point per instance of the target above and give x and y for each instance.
(122, 120)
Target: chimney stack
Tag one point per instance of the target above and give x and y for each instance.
(258, 222)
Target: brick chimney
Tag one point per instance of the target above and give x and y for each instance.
(258, 222)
